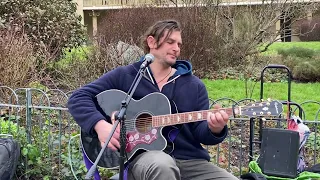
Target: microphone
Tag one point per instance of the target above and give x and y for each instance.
(148, 59)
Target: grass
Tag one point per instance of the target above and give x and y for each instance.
(273, 49)
(300, 93)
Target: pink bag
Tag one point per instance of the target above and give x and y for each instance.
(296, 124)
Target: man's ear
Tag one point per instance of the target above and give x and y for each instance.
(151, 42)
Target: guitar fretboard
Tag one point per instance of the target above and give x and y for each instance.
(181, 118)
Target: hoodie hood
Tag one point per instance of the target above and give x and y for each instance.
(183, 67)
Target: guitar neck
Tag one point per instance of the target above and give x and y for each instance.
(181, 118)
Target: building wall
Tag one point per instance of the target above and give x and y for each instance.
(88, 20)
(80, 9)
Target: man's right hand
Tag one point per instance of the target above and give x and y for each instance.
(103, 129)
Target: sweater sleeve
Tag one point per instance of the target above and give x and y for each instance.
(201, 130)
(83, 105)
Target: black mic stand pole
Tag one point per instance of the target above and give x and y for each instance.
(120, 118)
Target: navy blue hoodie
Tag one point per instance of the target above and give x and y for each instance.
(184, 90)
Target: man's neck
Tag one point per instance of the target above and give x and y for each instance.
(159, 69)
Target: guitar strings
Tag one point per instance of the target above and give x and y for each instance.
(185, 114)
(147, 122)
(150, 118)
(143, 122)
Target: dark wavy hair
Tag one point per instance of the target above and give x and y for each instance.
(158, 30)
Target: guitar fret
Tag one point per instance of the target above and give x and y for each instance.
(174, 119)
(183, 118)
(168, 120)
(190, 117)
(199, 115)
(158, 121)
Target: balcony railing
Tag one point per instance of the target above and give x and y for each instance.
(92, 4)
(102, 4)
(110, 3)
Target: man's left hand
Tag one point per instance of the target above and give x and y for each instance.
(217, 120)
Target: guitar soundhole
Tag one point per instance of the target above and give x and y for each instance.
(144, 123)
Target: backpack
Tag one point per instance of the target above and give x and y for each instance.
(9, 157)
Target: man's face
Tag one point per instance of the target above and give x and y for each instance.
(169, 48)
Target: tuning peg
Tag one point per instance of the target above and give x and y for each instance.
(262, 100)
(269, 99)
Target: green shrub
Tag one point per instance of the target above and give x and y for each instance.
(273, 49)
(81, 65)
(73, 54)
(303, 62)
(303, 69)
(77, 66)
(307, 70)
(50, 25)
(313, 141)
(291, 61)
(17, 59)
(297, 52)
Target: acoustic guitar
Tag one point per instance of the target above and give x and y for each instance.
(147, 118)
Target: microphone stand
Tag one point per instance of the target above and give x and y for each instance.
(120, 118)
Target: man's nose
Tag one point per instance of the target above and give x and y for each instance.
(177, 47)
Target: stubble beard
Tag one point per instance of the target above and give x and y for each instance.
(169, 63)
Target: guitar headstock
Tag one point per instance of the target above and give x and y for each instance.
(262, 109)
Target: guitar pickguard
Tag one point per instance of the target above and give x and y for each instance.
(136, 138)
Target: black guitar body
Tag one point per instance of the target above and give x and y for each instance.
(141, 136)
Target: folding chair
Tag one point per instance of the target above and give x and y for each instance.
(96, 174)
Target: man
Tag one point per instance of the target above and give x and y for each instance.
(173, 78)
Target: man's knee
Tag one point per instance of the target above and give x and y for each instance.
(163, 165)
(156, 164)
(160, 160)
(224, 174)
